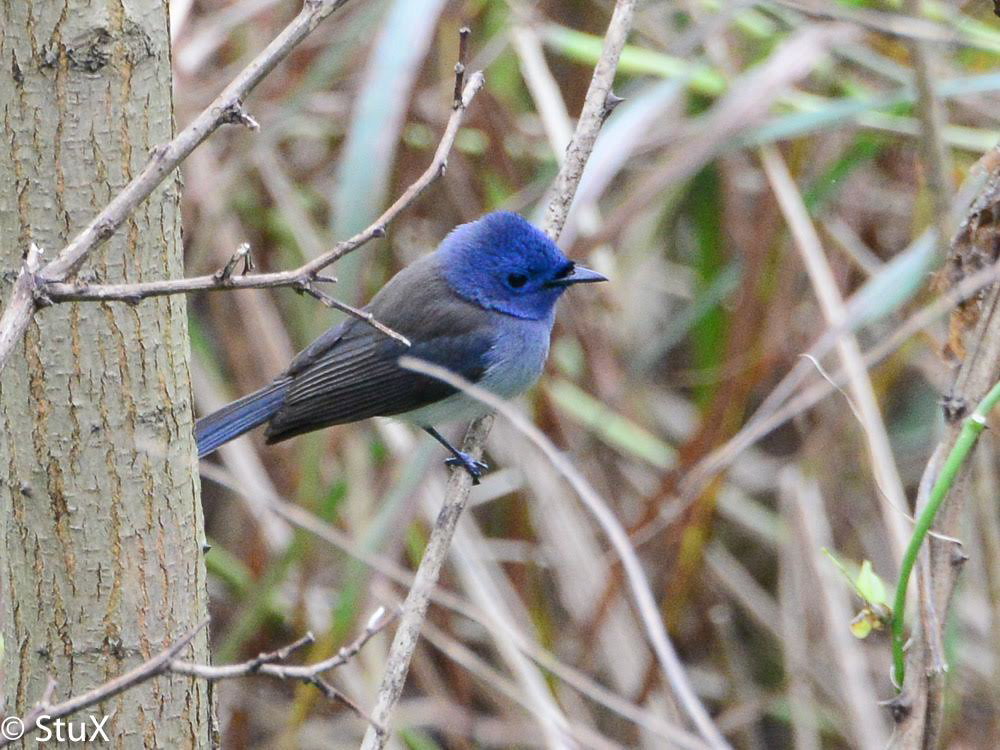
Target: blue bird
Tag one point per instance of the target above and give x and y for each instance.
(481, 305)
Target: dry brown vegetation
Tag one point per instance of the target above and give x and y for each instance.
(771, 162)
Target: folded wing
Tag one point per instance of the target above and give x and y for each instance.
(352, 372)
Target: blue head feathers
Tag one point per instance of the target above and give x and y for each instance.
(504, 263)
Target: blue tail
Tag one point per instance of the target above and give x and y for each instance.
(242, 415)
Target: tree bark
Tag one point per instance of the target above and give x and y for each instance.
(100, 514)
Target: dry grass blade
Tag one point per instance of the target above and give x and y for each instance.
(887, 479)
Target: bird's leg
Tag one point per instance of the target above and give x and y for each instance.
(459, 458)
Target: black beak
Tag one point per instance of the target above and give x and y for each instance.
(579, 275)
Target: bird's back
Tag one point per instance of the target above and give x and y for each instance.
(352, 372)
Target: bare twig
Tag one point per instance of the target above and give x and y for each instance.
(548, 100)
(166, 662)
(310, 674)
(266, 663)
(249, 667)
(456, 497)
(242, 254)
(463, 57)
(307, 287)
(227, 108)
(415, 606)
(302, 278)
(307, 273)
(591, 118)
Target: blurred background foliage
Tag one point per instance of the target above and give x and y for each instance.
(708, 308)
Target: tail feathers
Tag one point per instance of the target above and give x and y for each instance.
(242, 415)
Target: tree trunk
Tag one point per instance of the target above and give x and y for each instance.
(100, 516)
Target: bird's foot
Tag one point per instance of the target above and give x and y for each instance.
(467, 462)
(459, 458)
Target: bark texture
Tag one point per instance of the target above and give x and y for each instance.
(100, 516)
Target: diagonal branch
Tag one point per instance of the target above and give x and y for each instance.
(302, 278)
(304, 274)
(227, 108)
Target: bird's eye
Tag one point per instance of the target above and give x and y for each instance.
(517, 280)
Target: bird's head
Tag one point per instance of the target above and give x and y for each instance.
(504, 263)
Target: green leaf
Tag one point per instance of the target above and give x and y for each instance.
(867, 584)
(870, 586)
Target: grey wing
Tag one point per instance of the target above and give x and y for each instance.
(354, 374)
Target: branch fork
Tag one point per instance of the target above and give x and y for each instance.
(268, 663)
(45, 289)
(242, 254)
(164, 158)
(234, 113)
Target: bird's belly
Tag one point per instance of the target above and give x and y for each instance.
(517, 359)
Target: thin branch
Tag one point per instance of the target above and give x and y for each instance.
(242, 255)
(227, 108)
(460, 483)
(249, 667)
(166, 662)
(424, 583)
(301, 278)
(596, 106)
(307, 287)
(310, 674)
(267, 663)
(463, 57)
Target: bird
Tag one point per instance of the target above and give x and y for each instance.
(481, 305)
